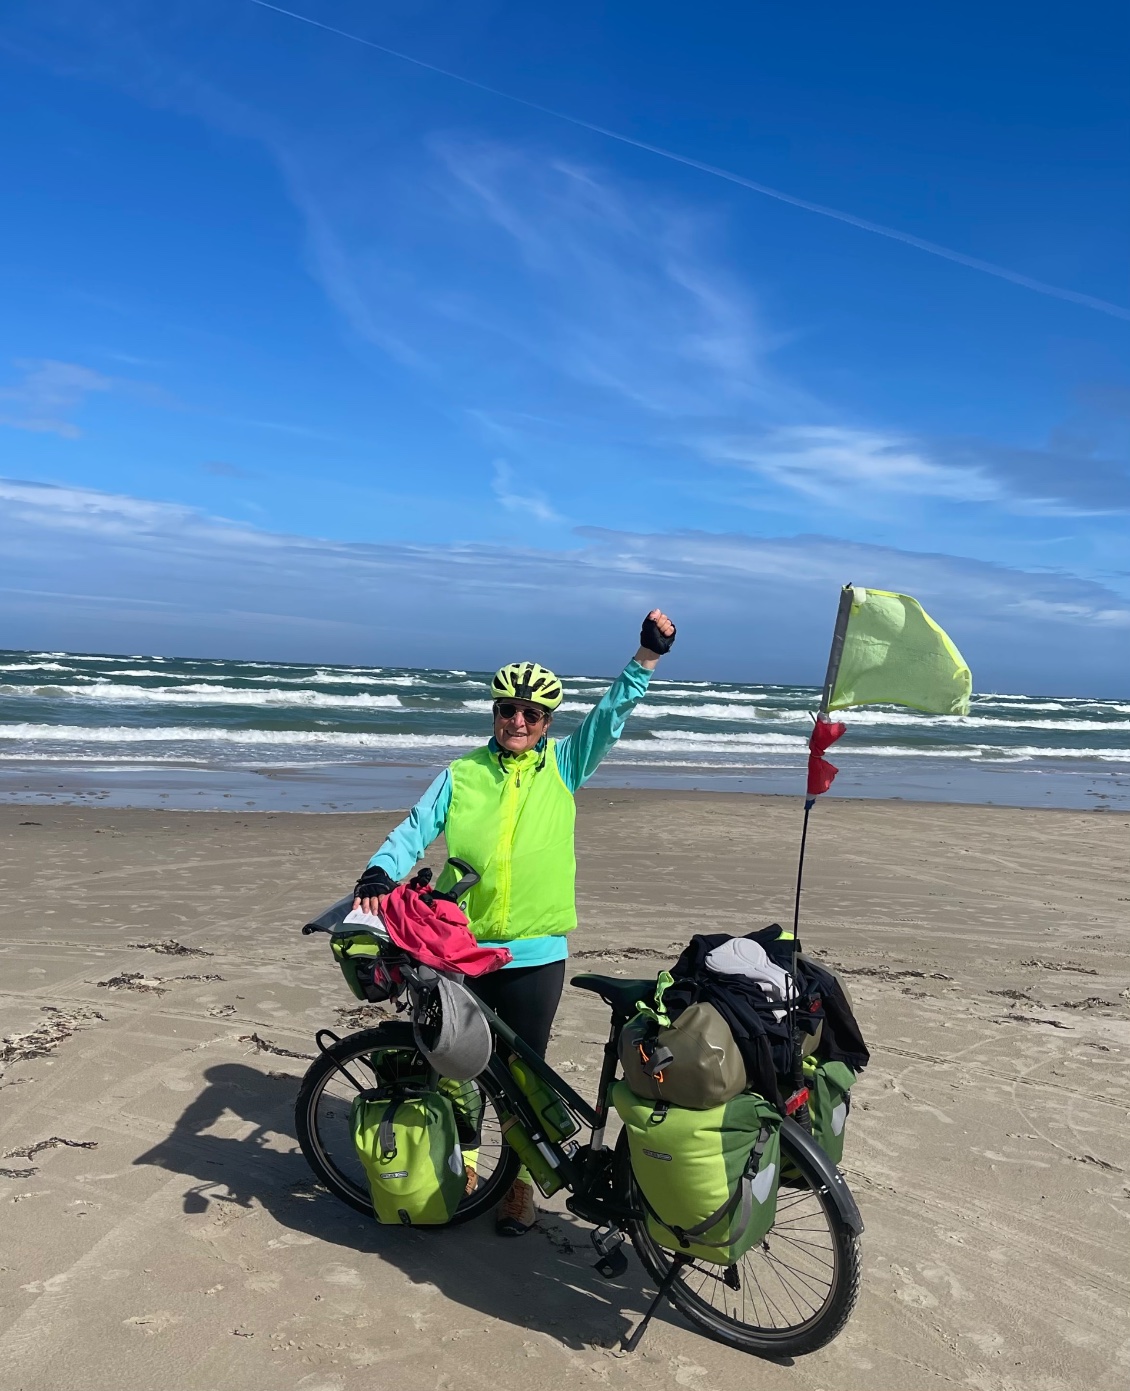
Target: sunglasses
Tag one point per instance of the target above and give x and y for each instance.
(532, 714)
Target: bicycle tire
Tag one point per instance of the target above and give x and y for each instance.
(808, 1334)
(355, 1050)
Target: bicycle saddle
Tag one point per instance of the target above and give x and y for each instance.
(621, 994)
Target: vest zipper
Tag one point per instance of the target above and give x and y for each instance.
(508, 839)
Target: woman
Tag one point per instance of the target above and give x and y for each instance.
(507, 809)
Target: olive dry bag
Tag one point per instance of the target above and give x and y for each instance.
(693, 1062)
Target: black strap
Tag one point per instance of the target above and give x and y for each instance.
(386, 1136)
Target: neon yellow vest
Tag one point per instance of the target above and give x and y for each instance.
(512, 819)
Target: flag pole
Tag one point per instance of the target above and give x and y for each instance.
(835, 655)
(843, 613)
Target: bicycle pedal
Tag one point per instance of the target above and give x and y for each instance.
(607, 1239)
(612, 1266)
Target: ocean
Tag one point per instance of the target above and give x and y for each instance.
(188, 733)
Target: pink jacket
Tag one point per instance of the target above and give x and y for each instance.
(436, 933)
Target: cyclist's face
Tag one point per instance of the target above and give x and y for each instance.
(520, 727)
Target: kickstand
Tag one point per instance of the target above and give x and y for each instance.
(630, 1344)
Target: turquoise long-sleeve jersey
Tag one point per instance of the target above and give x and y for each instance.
(578, 756)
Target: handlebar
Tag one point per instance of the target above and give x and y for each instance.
(470, 877)
(331, 920)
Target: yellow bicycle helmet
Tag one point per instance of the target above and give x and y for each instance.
(527, 681)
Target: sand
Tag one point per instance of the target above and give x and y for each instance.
(160, 1228)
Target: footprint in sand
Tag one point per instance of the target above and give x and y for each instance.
(911, 1292)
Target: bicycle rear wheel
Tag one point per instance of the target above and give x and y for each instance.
(372, 1058)
(790, 1294)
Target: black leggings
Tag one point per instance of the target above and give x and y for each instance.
(525, 997)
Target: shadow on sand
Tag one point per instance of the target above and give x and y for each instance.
(544, 1282)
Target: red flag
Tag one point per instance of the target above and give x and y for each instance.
(820, 772)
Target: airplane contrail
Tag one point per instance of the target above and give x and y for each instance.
(877, 228)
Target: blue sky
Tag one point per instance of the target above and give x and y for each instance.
(312, 352)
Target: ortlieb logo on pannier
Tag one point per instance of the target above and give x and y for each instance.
(407, 1140)
(711, 1192)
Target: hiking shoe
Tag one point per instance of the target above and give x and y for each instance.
(472, 1180)
(516, 1212)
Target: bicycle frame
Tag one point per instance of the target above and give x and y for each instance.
(576, 1172)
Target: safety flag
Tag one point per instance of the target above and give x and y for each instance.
(895, 654)
(886, 650)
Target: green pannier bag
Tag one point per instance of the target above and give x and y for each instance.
(356, 952)
(829, 1101)
(408, 1144)
(708, 1179)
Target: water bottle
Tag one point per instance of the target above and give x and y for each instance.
(529, 1152)
(555, 1118)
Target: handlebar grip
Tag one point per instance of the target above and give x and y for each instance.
(470, 877)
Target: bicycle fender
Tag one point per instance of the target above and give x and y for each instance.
(841, 1194)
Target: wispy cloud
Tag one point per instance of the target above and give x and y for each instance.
(1039, 630)
(856, 467)
(619, 289)
(533, 504)
(48, 394)
(836, 214)
(822, 460)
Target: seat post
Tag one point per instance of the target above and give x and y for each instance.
(607, 1074)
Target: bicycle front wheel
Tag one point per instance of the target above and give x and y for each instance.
(790, 1294)
(373, 1058)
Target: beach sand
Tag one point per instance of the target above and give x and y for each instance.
(174, 1238)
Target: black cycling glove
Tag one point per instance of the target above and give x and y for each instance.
(374, 883)
(653, 639)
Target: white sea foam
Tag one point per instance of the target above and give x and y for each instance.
(1004, 724)
(673, 741)
(147, 671)
(744, 714)
(194, 734)
(708, 693)
(1013, 706)
(329, 677)
(679, 739)
(33, 666)
(1001, 753)
(205, 693)
(102, 758)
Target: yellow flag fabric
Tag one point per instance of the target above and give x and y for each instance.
(895, 654)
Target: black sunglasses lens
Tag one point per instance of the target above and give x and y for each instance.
(507, 709)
